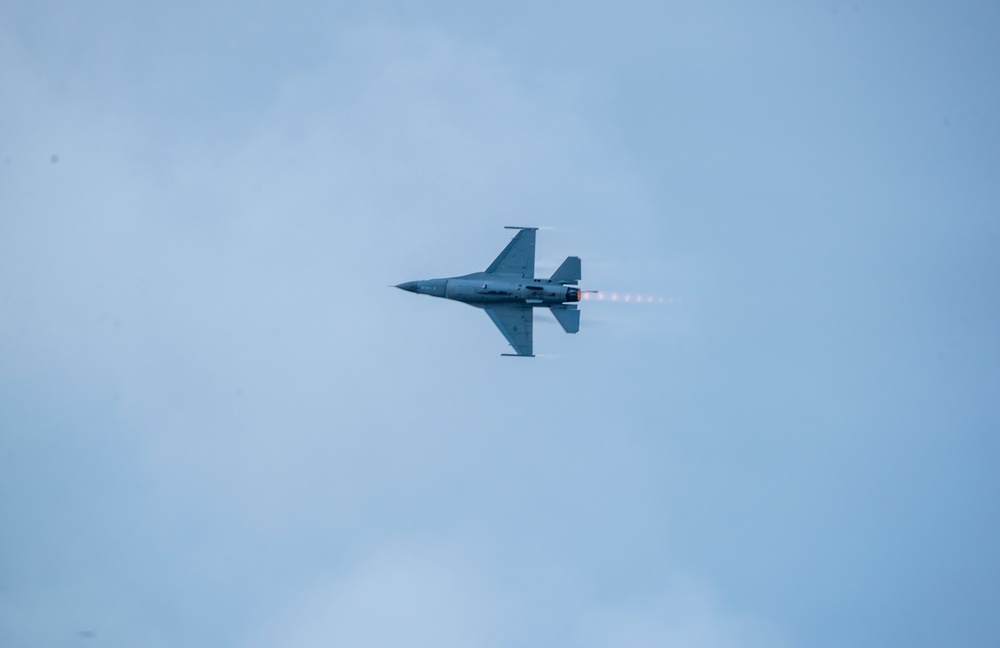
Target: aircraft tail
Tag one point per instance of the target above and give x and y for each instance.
(568, 272)
(568, 316)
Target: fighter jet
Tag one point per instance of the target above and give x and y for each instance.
(508, 291)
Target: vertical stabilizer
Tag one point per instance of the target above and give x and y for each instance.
(568, 316)
(568, 272)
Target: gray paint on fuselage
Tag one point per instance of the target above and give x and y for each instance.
(480, 289)
(483, 288)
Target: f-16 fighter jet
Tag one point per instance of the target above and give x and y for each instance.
(508, 291)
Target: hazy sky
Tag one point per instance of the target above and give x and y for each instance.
(220, 427)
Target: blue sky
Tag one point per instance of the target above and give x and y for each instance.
(218, 426)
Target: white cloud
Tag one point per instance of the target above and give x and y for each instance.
(428, 597)
(685, 616)
(390, 599)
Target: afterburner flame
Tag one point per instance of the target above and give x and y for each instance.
(628, 298)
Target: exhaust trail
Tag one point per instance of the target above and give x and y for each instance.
(626, 297)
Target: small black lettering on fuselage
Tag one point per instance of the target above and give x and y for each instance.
(491, 289)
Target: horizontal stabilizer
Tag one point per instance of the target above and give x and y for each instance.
(568, 316)
(568, 272)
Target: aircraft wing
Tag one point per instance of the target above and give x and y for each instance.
(515, 322)
(518, 258)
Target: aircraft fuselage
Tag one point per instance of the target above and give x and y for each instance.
(482, 288)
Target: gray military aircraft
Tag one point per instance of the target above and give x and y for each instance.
(508, 291)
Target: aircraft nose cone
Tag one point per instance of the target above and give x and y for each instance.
(409, 286)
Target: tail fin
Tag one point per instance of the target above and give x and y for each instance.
(568, 316)
(568, 272)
